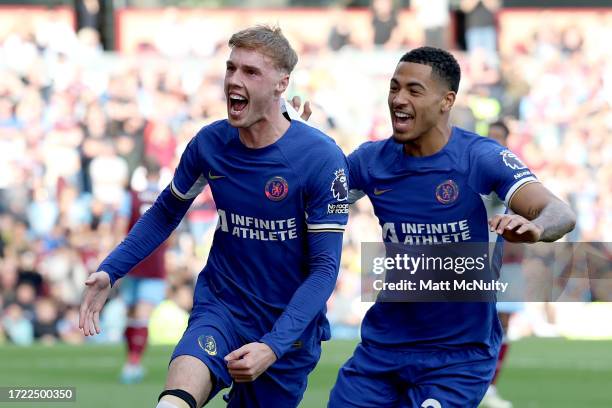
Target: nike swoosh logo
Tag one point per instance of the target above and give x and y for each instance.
(379, 192)
(213, 177)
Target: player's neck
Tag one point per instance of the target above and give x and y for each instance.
(264, 132)
(429, 143)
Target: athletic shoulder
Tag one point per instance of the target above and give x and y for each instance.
(475, 144)
(215, 134)
(468, 149)
(308, 141)
(368, 155)
(371, 148)
(493, 167)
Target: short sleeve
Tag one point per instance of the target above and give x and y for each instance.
(495, 168)
(327, 193)
(358, 172)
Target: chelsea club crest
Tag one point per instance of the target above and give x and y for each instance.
(276, 188)
(207, 343)
(447, 192)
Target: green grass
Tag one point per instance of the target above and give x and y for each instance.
(540, 373)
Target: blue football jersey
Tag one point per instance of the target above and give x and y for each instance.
(433, 200)
(280, 210)
(267, 200)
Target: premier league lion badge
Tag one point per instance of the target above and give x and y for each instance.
(339, 186)
(511, 160)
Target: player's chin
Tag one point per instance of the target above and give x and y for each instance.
(232, 121)
(238, 121)
(403, 137)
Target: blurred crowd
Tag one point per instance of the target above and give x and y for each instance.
(76, 124)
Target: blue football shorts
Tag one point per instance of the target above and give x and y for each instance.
(211, 335)
(377, 377)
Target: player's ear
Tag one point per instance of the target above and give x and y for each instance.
(283, 83)
(448, 101)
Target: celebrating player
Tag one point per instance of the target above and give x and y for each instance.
(281, 191)
(433, 175)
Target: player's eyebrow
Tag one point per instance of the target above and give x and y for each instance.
(410, 84)
(229, 63)
(251, 67)
(416, 84)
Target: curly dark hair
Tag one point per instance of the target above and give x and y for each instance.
(443, 64)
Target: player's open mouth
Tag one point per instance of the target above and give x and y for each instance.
(402, 119)
(237, 103)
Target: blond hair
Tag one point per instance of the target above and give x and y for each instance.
(268, 40)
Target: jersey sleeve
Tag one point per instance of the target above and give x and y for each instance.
(158, 222)
(190, 176)
(324, 251)
(494, 168)
(327, 192)
(358, 170)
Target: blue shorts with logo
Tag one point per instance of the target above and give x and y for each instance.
(377, 377)
(211, 335)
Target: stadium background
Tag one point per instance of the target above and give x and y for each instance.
(88, 90)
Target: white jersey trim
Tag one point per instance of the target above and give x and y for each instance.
(291, 112)
(193, 192)
(320, 227)
(516, 186)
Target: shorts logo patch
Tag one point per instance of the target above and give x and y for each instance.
(447, 192)
(339, 187)
(511, 160)
(276, 188)
(208, 344)
(431, 403)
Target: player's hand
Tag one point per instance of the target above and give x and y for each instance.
(296, 102)
(515, 228)
(96, 293)
(249, 361)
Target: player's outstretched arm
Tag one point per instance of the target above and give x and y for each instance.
(158, 222)
(150, 231)
(96, 293)
(539, 216)
(153, 228)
